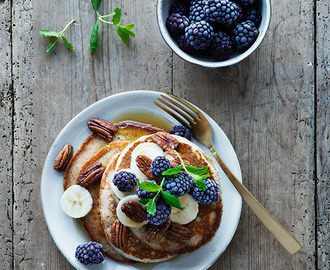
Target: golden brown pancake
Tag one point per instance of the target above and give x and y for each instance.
(204, 227)
(95, 149)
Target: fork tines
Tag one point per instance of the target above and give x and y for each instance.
(179, 109)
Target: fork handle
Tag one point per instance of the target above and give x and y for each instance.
(266, 218)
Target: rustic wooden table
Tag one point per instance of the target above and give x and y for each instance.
(273, 107)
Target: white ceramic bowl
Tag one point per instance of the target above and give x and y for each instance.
(163, 7)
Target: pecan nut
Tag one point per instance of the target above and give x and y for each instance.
(172, 157)
(154, 233)
(179, 231)
(119, 234)
(144, 164)
(134, 211)
(165, 140)
(90, 174)
(103, 128)
(63, 158)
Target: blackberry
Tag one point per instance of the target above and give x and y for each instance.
(209, 196)
(124, 180)
(222, 11)
(182, 131)
(246, 3)
(179, 8)
(176, 24)
(199, 34)
(143, 194)
(178, 184)
(160, 164)
(90, 253)
(254, 16)
(185, 46)
(244, 34)
(220, 46)
(196, 10)
(163, 212)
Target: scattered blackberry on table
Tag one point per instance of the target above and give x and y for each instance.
(179, 8)
(90, 253)
(160, 164)
(220, 46)
(253, 15)
(196, 10)
(163, 212)
(222, 11)
(178, 184)
(244, 34)
(182, 131)
(143, 194)
(176, 24)
(185, 46)
(124, 180)
(209, 196)
(199, 34)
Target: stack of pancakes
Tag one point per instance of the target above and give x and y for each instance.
(116, 156)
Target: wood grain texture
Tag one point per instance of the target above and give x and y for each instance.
(265, 105)
(6, 137)
(322, 134)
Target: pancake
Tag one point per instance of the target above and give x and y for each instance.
(134, 249)
(95, 149)
(204, 227)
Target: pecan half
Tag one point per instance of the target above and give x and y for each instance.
(119, 234)
(172, 157)
(103, 128)
(144, 164)
(90, 174)
(63, 158)
(134, 211)
(156, 232)
(179, 231)
(165, 140)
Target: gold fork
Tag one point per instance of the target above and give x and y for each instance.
(189, 116)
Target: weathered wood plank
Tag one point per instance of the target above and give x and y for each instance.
(322, 134)
(266, 107)
(6, 109)
(52, 88)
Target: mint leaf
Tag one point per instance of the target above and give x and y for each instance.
(94, 39)
(117, 16)
(151, 207)
(201, 184)
(124, 33)
(69, 45)
(96, 4)
(201, 177)
(130, 27)
(173, 171)
(50, 47)
(196, 171)
(144, 201)
(149, 186)
(48, 33)
(171, 200)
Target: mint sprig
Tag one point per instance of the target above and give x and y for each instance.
(124, 31)
(57, 35)
(151, 203)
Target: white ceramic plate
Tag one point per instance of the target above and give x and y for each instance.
(68, 233)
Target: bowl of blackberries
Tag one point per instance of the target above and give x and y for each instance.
(213, 33)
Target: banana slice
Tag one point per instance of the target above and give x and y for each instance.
(118, 193)
(125, 220)
(189, 212)
(150, 150)
(76, 201)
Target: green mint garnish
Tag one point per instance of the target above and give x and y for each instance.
(151, 207)
(149, 186)
(57, 35)
(124, 31)
(171, 200)
(173, 171)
